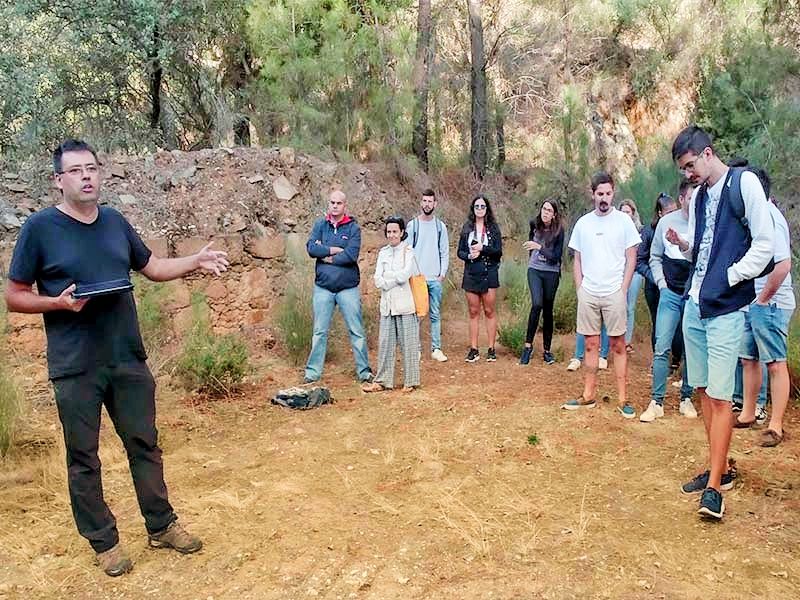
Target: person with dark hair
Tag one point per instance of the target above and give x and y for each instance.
(545, 245)
(335, 242)
(95, 354)
(664, 204)
(480, 246)
(399, 324)
(604, 242)
(727, 253)
(431, 245)
(668, 269)
(628, 206)
(766, 331)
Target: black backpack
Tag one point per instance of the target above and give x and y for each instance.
(737, 207)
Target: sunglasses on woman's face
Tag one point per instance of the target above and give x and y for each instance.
(479, 206)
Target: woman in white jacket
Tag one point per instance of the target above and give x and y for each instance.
(399, 323)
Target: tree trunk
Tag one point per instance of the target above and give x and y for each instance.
(156, 76)
(500, 131)
(479, 118)
(422, 74)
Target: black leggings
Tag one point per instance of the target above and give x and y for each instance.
(651, 294)
(543, 286)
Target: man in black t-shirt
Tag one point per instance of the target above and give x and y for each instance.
(95, 354)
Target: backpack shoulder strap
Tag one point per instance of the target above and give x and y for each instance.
(735, 195)
(415, 233)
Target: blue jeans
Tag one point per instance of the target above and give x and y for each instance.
(668, 319)
(712, 350)
(633, 295)
(738, 390)
(434, 310)
(349, 303)
(580, 344)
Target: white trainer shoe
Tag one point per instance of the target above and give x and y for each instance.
(653, 412)
(602, 363)
(686, 408)
(438, 356)
(574, 364)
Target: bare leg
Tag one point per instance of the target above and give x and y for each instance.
(474, 306)
(620, 367)
(779, 386)
(719, 431)
(489, 300)
(590, 366)
(751, 384)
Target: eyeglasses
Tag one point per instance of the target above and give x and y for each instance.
(478, 206)
(78, 171)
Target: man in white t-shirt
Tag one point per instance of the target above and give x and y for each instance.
(427, 235)
(766, 330)
(604, 242)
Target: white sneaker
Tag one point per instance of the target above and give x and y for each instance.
(602, 363)
(761, 415)
(574, 364)
(438, 356)
(653, 412)
(686, 408)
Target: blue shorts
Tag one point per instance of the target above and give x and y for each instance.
(766, 329)
(712, 350)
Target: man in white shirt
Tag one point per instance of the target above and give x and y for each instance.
(729, 242)
(604, 242)
(766, 331)
(427, 235)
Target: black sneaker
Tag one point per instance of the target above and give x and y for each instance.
(473, 355)
(699, 483)
(525, 358)
(712, 506)
(549, 358)
(491, 356)
(737, 408)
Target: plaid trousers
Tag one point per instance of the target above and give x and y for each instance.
(402, 329)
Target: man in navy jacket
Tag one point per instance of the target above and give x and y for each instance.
(335, 242)
(727, 253)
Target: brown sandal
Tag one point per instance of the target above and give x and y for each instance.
(372, 387)
(771, 438)
(737, 424)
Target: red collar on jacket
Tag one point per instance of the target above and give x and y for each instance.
(345, 219)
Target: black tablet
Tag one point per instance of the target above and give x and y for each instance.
(102, 288)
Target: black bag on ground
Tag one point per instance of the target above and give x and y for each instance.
(302, 398)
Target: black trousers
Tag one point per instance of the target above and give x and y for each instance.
(651, 295)
(543, 286)
(128, 393)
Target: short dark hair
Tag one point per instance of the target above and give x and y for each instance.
(400, 222)
(763, 177)
(70, 145)
(429, 192)
(691, 139)
(600, 178)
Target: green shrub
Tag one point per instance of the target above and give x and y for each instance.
(565, 311)
(153, 320)
(794, 354)
(515, 305)
(295, 320)
(10, 397)
(210, 363)
(10, 404)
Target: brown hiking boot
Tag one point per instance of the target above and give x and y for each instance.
(114, 562)
(175, 537)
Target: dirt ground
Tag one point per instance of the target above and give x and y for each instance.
(436, 494)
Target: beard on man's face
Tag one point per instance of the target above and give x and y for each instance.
(603, 206)
(427, 211)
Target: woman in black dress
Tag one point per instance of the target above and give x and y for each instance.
(480, 247)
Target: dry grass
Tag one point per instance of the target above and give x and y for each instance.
(431, 495)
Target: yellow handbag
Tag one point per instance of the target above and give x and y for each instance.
(419, 289)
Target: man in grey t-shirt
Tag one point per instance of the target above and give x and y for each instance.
(427, 235)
